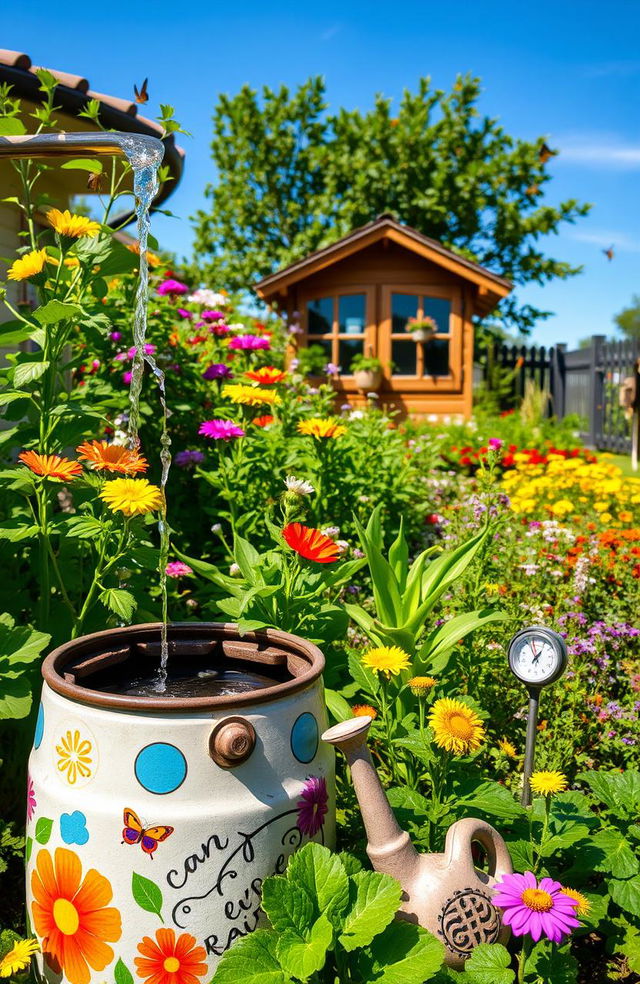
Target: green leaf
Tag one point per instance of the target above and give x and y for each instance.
(488, 796)
(620, 791)
(84, 164)
(44, 826)
(11, 126)
(489, 963)
(620, 858)
(287, 905)
(626, 894)
(322, 876)
(16, 529)
(147, 894)
(434, 652)
(28, 848)
(252, 960)
(122, 974)
(27, 372)
(119, 601)
(338, 707)
(55, 311)
(374, 899)
(402, 954)
(362, 675)
(555, 966)
(15, 697)
(304, 955)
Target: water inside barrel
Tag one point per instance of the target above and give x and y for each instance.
(222, 682)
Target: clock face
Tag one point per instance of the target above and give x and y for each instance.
(537, 656)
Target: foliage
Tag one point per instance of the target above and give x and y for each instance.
(362, 363)
(435, 162)
(628, 320)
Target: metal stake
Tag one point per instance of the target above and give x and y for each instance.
(530, 744)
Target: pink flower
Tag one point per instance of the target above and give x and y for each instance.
(312, 806)
(495, 443)
(212, 316)
(220, 430)
(127, 377)
(175, 568)
(173, 288)
(535, 909)
(31, 799)
(250, 342)
(184, 313)
(148, 350)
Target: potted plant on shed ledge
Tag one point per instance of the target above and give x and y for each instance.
(367, 372)
(421, 329)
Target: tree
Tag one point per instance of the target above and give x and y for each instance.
(628, 320)
(293, 178)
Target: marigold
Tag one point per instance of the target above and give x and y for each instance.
(456, 726)
(584, 905)
(319, 427)
(74, 226)
(364, 710)
(507, 748)
(311, 544)
(389, 660)
(267, 375)
(51, 465)
(28, 265)
(131, 496)
(18, 957)
(421, 685)
(548, 783)
(103, 456)
(625, 516)
(250, 396)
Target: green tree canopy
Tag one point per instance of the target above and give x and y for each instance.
(628, 320)
(292, 177)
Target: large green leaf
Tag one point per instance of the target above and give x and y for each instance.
(29, 372)
(252, 960)
(374, 899)
(437, 647)
(402, 954)
(489, 963)
(626, 894)
(322, 876)
(304, 954)
(386, 593)
(489, 796)
(55, 311)
(287, 905)
(621, 858)
(620, 791)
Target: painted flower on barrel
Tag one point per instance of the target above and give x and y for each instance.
(50, 465)
(220, 430)
(31, 799)
(535, 909)
(167, 960)
(311, 544)
(456, 726)
(131, 496)
(102, 456)
(75, 759)
(312, 806)
(72, 916)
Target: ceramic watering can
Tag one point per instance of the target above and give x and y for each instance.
(444, 893)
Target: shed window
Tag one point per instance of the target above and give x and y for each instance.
(422, 359)
(338, 324)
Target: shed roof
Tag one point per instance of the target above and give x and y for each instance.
(491, 287)
(72, 95)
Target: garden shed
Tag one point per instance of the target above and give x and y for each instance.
(362, 294)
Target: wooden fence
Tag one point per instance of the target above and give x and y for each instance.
(585, 382)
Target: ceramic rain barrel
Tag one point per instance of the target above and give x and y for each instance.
(154, 818)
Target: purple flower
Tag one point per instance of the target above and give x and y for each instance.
(126, 377)
(249, 342)
(495, 443)
(175, 568)
(184, 459)
(535, 909)
(173, 288)
(312, 806)
(212, 315)
(220, 430)
(217, 370)
(115, 336)
(184, 313)
(148, 350)
(331, 369)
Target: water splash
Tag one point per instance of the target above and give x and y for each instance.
(145, 159)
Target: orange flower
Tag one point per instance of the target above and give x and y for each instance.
(166, 960)
(311, 543)
(268, 375)
(71, 917)
(51, 465)
(103, 456)
(364, 710)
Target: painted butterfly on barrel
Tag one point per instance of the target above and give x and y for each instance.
(147, 837)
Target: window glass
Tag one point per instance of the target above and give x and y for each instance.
(403, 356)
(438, 308)
(320, 316)
(352, 314)
(436, 357)
(403, 307)
(348, 347)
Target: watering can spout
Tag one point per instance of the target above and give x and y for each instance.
(388, 846)
(138, 146)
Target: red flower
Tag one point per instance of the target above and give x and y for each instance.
(311, 543)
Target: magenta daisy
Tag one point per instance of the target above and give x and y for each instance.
(220, 430)
(31, 799)
(175, 568)
(535, 909)
(172, 288)
(312, 806)
(250, 342)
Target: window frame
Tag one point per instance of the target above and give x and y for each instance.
(368, 335)
(386, 336)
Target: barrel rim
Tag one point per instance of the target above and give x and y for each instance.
(54, 665)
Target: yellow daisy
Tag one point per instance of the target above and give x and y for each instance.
(319, 427)
(131, 496)
(250, 396)
(28, 265)
(584, 905)
(509, 750)
(74, 226)
(456, 727)
(386, 659)
(18, 958)
(421, 685)
(74, 760)
(548, 783)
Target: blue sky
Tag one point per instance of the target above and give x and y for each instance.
(568, 70)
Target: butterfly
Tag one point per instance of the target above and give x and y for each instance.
(148, 838)
(545, 153)
(609, 253)
(142, 96)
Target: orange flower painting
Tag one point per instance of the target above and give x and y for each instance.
(72, 916)
(167, 960)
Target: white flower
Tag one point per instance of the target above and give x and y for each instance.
(237, 327)
(356, 415)
(344, 545)
(330, 530)
(208, 298)
(234, 570)
(298, 485)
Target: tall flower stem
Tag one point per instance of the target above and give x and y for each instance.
(523, 956)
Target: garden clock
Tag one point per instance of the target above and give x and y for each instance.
(537, 658)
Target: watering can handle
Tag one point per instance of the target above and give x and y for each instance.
(460, 837)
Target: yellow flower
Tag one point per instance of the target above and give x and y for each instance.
(562, 507)
(74, 761)
(364, 710)
(456, 727)
(250, 396)
(18, 958)
(509, 750)
(625, 516)
(28, 265)
(601, 506)
(131, 496)
(386, 659)
(548, 783)
(606, 517)
(74, 226)
(319, 427)
(421, 685)
(584, 905)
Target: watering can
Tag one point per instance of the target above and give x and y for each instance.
(445, 893)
